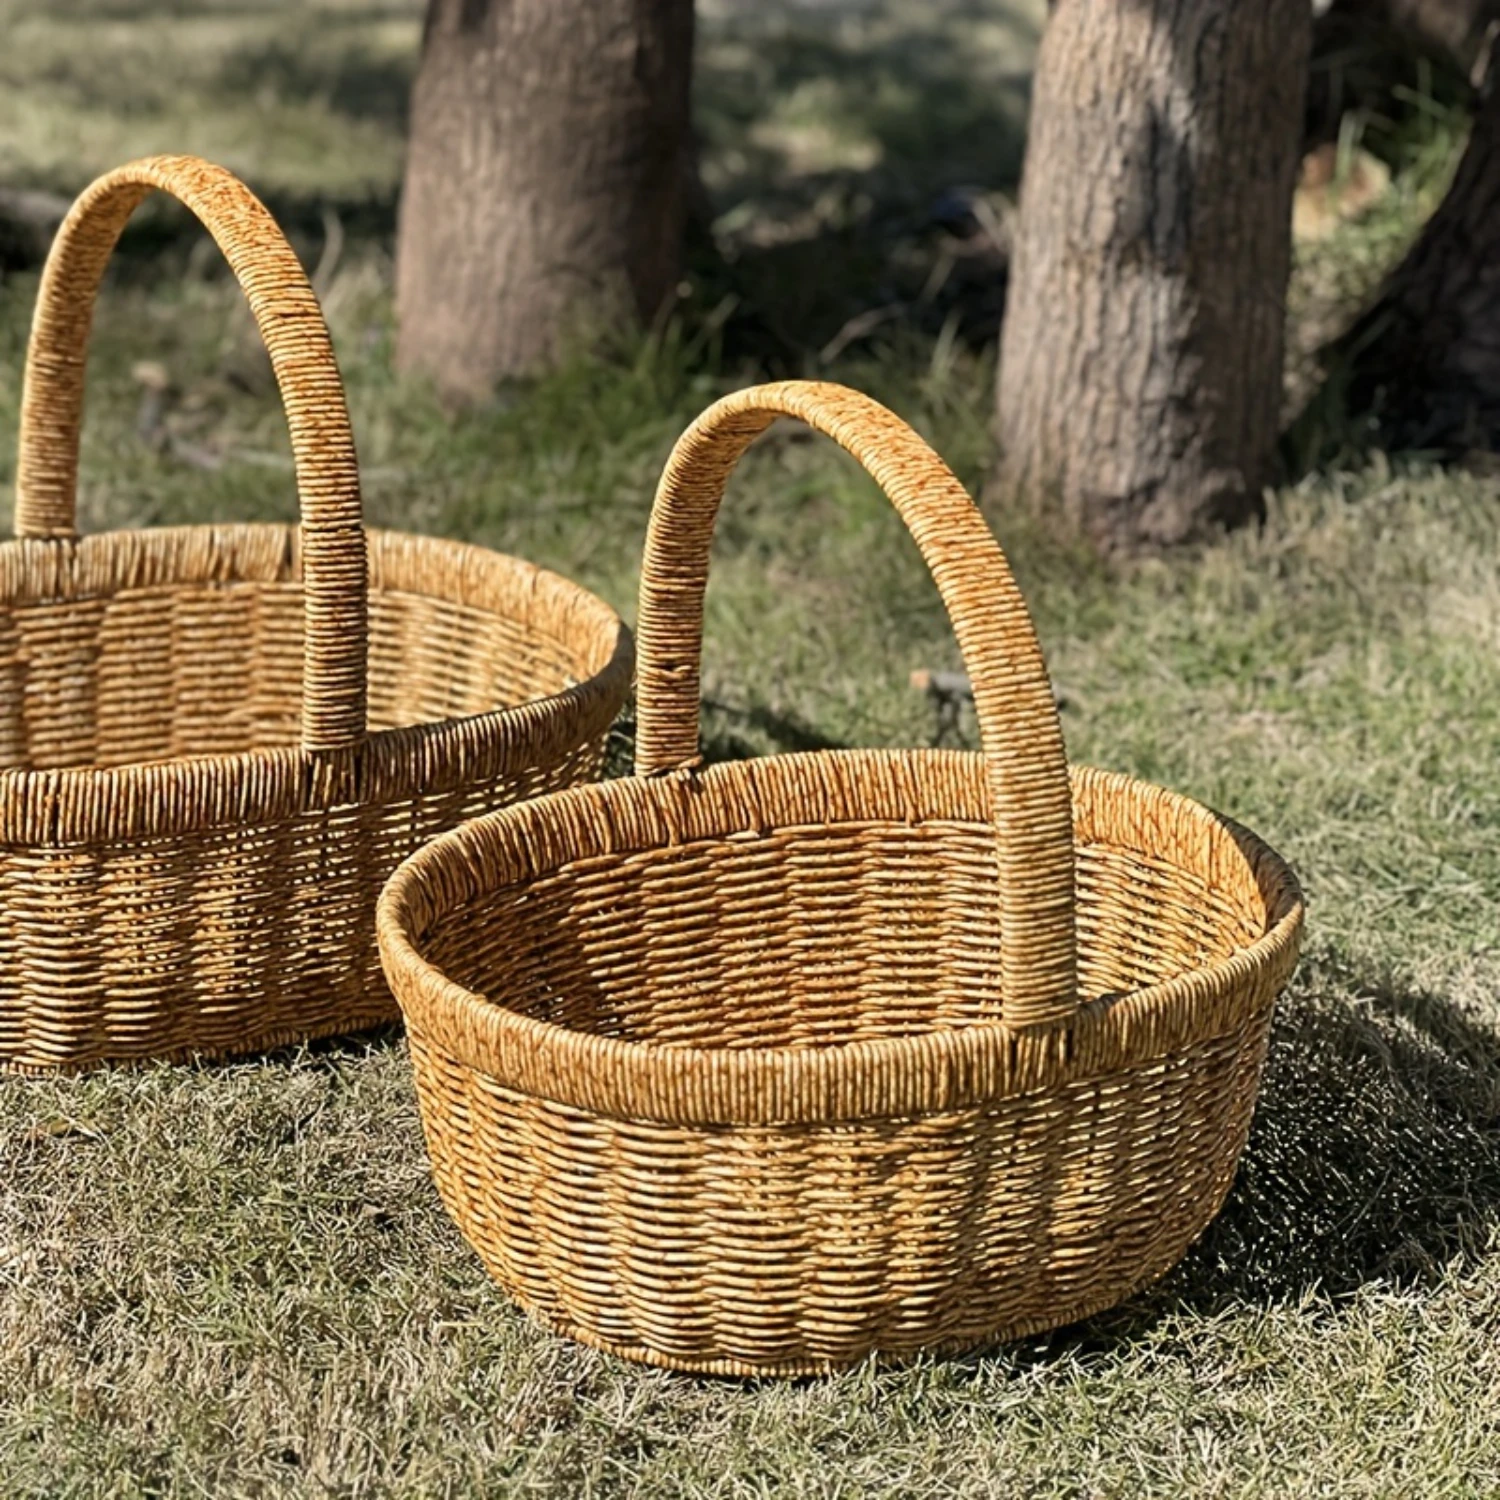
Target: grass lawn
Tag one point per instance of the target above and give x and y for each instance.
(238, 1280)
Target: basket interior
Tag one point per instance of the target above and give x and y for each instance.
(186, 666)
(811, 936)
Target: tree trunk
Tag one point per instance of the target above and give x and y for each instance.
(1425, 360)
(1141, 353)
(546, 180)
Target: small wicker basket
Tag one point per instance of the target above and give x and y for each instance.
(764, 1067)
(200, 798)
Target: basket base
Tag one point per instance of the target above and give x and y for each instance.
(736, 1369)
(359, 1023)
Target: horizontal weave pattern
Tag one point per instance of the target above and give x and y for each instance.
(177, 876)
(216, 742)
(1018, 725)
(719, 1067)
(779, 1251)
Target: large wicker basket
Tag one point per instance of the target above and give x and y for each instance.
(200, 797)
(763, 1067)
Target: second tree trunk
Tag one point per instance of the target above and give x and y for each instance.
(1426, 357)
(1141, 354)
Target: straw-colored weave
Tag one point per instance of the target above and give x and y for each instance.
(218, 741)
(764, 1067)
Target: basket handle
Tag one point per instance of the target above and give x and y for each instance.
(1031, 802)
(334, 565)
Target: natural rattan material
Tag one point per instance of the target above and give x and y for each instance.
(217, 741)
(764, 1067)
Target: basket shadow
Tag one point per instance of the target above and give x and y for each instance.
(1374, 1154)
(320, 1054)
(1374, 1158)
(721, 738)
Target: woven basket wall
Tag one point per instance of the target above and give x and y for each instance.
(765, 1067)
(217, 741)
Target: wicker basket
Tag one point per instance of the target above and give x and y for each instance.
(178, 874)
(763, 1067)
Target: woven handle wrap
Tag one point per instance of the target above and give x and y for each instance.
(1019, 730)
(334, 566)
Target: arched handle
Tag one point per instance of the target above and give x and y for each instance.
(335, 570)
(1031, 803)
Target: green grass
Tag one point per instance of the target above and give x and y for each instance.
(305, 98)
(238, 1280)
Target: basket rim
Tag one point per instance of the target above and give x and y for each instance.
(928, 1073)
(92, 805)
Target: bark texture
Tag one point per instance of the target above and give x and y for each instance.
(1141, 354)
(1426, 358)
(547, 179)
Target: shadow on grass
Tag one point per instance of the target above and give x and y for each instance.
(355, 82)
(847, 148)
(1375, 1152)
(162, 239)
(1374, 1157)
(197, 10)
(325, 1054)
(842, 146)
(723, 736)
